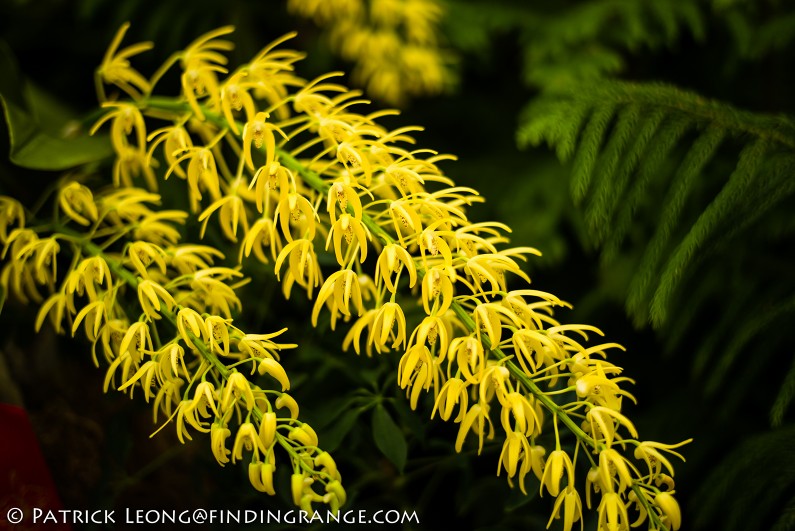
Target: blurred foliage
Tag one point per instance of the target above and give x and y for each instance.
(659, 187)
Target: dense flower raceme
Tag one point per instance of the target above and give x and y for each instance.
(392, 43)
(160, 315)
(289, 170)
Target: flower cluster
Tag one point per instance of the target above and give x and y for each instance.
(160, 314)
(393, 43)
(287, 170)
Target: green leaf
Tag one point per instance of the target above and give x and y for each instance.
(40, 138)
(389, 438)
(333, 437)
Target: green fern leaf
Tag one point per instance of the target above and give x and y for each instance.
(699, 155)
(612, 155)
(614, 152)
(610, 188)
(649, 166)
(588, 151)
(708, 222)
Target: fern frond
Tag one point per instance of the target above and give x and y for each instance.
(692, 166)
(665, 140)
(617, 146)
(710, 221)
(613, 182)
(570, 42)
(588, 151)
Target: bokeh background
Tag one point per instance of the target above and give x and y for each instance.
(718, 367)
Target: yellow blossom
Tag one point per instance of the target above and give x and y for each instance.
(435, 332)
(569, 499)
(261, 236)
(391, 260)
(201, 61)
(146, 376)
(294, 207)
(261, 477)
(557, 464)
(217, 333)
(247, 439)
(232, 212)
(328, 465)
(237, 386)
(176, 140)
(612, 463)
(670, 510)
(518, 406)
(354, 335)
(390, 314)
(235, 97)
(204, 397)
(289, 402)
(54, 306)
(476, 419)
(470, 357)
(303, 266)
(259, 132)
(514, 449)
(602, 424)
(77, 202)
(150, 295)
(125, 121)
(94, 314)
(304, 435)
(202, 173)
(437, 291)
(344, 286)
(190, 326)
(454, 391)
(218, 435)
(115, 68)
(649, 451)
(351, 229)
(11, 213)
(272, 367)
(613, 513)
(267, 429)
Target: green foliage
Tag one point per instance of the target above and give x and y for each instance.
(42, 134)
(389, 437)
(573, 41)
(622, 135)
(757, 30)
